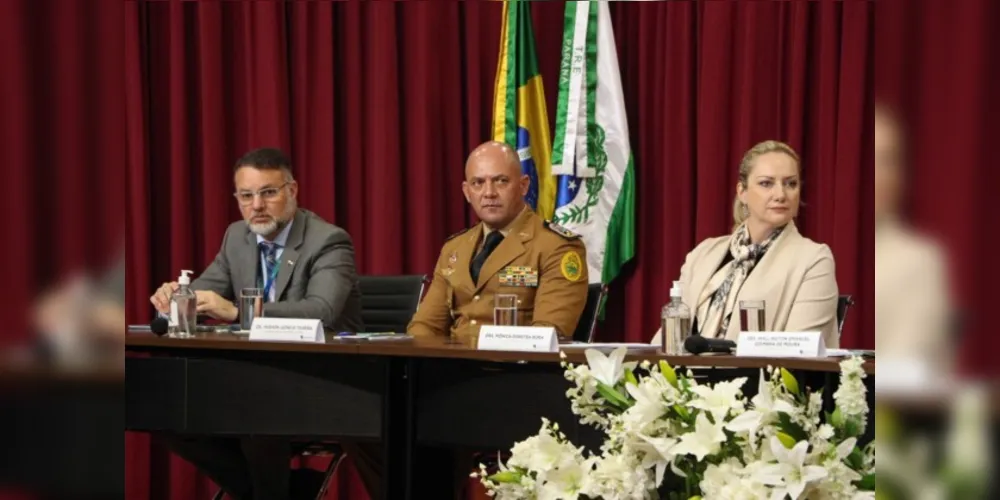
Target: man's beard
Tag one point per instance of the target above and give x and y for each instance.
(275, 224)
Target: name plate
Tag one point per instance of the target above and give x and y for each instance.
(781, 345)
(287, 330)
(518, 338)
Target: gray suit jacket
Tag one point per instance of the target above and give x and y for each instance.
(316, 280)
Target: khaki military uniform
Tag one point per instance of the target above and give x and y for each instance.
(541, 263)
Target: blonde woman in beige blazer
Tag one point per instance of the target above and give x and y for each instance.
(765, 258)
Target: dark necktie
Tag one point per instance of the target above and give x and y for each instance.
(492, 242)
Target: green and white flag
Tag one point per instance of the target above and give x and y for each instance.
(591, 157)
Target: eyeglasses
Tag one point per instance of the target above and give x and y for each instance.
(267, 194)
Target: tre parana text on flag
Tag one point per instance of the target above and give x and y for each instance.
(592, 158)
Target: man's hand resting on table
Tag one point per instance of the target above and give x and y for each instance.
(213, 305)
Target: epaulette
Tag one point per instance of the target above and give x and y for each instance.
(456, 235)
(561, 231)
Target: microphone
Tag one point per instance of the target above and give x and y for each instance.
(159, 325)
(696, 344)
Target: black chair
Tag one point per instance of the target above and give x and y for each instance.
(389, 302)
(304, 482)
(588, 319)
(844, 304)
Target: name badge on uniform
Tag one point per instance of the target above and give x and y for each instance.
(519, 276)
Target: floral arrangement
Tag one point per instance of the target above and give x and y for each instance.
(670, 437)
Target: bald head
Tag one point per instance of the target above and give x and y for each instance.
(494, 184)
(495, 152)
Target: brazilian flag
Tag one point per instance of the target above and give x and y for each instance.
(519, 115)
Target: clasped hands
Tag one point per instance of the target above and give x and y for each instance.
(210, 303)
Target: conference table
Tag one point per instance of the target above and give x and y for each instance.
(417, 398)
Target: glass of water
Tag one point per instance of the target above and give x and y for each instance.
(251, 307)
(752, 316)
(505, 310)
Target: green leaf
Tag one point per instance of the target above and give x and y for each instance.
(790, 382)
(790, 428)
(630, 377)
(685, 385)
(506, 477)
(852, 428)
(669, 373)
(867, 483)
(787, 440)
(856, 460)
(837, 420)
(612, 396)
(683, 412)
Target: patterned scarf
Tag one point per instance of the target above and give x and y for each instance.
(717, 301)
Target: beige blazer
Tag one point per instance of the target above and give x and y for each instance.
(912, 306)
(796, 279)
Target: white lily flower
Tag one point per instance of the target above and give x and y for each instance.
(542, 452)
(846, 448)
(564, 483)
(659, 454)
(607, 369)
(790, 475)
(719, 400)
(649, 405)
(704, 441)
(765, 407)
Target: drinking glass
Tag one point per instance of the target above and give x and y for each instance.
(752, 316)
(251, 307)
(505, 310)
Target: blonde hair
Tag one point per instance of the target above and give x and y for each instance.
(762, 148)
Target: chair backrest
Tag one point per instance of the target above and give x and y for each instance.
(588, 320)
(844, 304)
(389, 302)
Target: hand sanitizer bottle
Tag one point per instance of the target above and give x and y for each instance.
(675, 323)
(183, 308)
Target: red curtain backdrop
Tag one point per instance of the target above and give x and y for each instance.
(378, 104)
(63, 164)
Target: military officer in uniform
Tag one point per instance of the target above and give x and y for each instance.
(512, 251)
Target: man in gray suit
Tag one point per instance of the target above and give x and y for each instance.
(305, 267)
